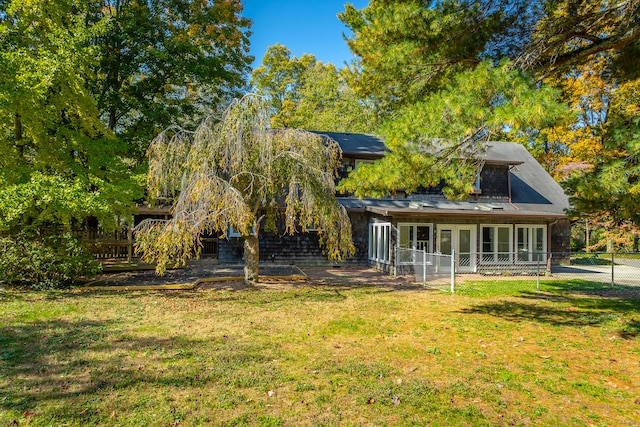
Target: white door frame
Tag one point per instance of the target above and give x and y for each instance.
(455, 230)
(415, 243)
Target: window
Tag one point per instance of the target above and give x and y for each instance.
(232, 232)
(531, 242)
(496, 243)
(477, 189)
(379, 241)
(415, 236)
(235, 233)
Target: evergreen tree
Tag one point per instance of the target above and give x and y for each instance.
(420, 61)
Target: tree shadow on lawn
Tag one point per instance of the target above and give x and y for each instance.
(322, 283)
(353, 277)
(60, 369)
(578, 304)
(36, 356)
(250, 295)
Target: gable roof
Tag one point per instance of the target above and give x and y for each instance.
(503, 153)
(534, 193)
(361, 145)
(357, 145)
(532, 188)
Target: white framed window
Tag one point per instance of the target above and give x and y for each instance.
(496, 242)
(379, 241)
(235, 233)
(415, 236)
(531, 242)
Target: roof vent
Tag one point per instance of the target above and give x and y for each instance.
(418, 205)
(488, 207)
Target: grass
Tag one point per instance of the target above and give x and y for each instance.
(519, 287)
(320, 355)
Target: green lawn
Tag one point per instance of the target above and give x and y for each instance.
(320, 355)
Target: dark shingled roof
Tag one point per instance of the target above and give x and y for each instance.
(532, 188)
(361, 145)
(506, 153)
(357, 144)
(534, 193)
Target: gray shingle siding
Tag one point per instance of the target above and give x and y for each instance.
(515, 190)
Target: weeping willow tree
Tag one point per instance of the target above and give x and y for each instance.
(235, 172)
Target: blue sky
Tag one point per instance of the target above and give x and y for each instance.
(302, 26)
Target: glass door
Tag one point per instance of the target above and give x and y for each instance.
(464, 256)
(462, 239)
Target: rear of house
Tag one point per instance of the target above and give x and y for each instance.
(516, 215)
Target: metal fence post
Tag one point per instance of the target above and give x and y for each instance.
(453, 270)
(424, 267)
(538, 273)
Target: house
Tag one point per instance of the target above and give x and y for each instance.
(515, 216)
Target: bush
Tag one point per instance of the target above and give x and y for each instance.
(44, 262)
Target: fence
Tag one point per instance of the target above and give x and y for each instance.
(451, 272)
(599, 267)
(116, 244)
(120, 244)
(434, 270)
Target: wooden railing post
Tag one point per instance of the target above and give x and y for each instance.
(129, 244)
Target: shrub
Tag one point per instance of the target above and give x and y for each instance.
(44, 262)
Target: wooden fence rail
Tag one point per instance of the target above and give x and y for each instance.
(120, 244)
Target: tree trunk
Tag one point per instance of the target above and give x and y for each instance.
(251, 259)
(17, 119)
(587, 239)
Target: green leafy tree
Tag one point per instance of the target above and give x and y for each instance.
(607, 188)
(308, 94)
(86, 85)
(418, 60)
(572, 32)
(164, 62)
(279, 79)
(408, 49)
(440, 77)
(327, 102)
(589, 50)
(59, 163)
(237, 173)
